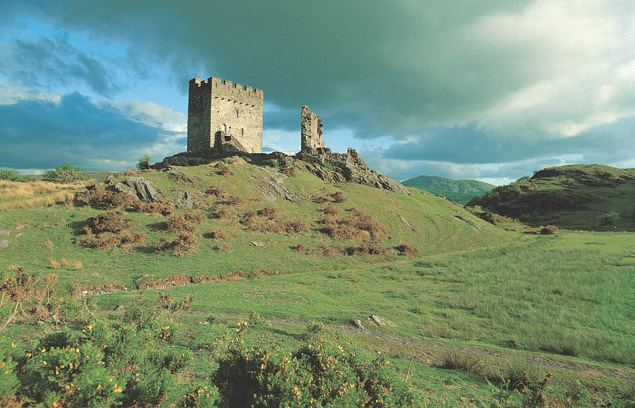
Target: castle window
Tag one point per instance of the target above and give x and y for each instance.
(237, 113)
(242, 131)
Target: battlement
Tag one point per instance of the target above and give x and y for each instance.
(221, 107)
(226, 88)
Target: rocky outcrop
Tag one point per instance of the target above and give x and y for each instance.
(328, 166)
(143, 189)
(338, 167)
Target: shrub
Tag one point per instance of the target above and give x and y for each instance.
(357, 225)
(222, 212)
(217, 192)
(8, 380)
(144, 163)
(317, 374)
(113, 221)
(9, 174)
(267, 212)
(102, 365)
(34, 297)
(550, 230)
(152, 208)
(99, 197)
(64, 174)
(338, 197)
(223, 169)
(185, 244)
(183, 223)
(223, 247)
(110, 230)
(220, 234)
(366, 249)
(292, 227)
(611, 218)
(331, 210)
(407, 250)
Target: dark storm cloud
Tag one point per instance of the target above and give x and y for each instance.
(44, 134)
(464, 81)
(382, 65)
(47, 63)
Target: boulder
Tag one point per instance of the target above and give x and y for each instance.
(357, 324)
(185, 200)
(143, 189)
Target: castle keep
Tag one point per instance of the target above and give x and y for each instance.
(223, 116)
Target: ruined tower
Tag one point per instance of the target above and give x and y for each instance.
(311, 131)
(223, 116)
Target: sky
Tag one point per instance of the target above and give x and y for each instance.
(488, 90)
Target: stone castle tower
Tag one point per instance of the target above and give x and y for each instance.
(223, 116)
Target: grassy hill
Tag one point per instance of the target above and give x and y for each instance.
(587, 197)
(460, 191)
(248, 255)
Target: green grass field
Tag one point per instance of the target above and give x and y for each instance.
(500, 299)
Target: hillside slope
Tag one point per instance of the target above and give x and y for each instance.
(459, 191)
(588, 197)
(268, 223)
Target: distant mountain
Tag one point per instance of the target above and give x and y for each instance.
(460, 191)
(588, 197)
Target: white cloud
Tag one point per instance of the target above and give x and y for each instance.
(10, 94)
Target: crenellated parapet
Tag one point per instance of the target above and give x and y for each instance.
(217, 105)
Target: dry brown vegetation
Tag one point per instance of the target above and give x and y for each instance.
(184, 244)
(338, 197)
(331, 210)
(30, 297)
(266, 220)
(357, 225)
(18, 195)
(98, 197)
(215, 191)
(110, 230)
(152, 208)
(183, 223)
(223, 169)
(407, 250)
(223, 213)
(366, 249)
(550, 230)
(223, 247)
(220, 234)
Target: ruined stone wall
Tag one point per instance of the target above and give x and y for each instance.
(311, 129)
(231, 109)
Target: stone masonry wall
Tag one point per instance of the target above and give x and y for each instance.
(220, 106)
(311, 129)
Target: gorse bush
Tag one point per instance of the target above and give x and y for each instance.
(318, 374)
(103, 365)
(64, 174)
(9, 174)
(31, 298)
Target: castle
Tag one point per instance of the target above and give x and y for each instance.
(225, 117)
